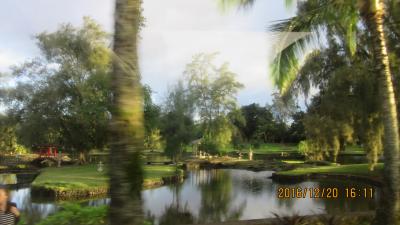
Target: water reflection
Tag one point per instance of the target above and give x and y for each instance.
(32, 212)
(175, 215)
(219, 195)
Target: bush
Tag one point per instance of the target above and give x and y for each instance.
(74, 214)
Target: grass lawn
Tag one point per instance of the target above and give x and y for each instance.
(293, 161)
(86, 177)
(354, 149)
(353, 169)
(288, 148)
(270, 148)
(275, 148)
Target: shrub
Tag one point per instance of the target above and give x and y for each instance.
(74, 214)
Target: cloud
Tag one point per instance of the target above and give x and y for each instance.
(246, 52)
(21, 20)
(175, 31)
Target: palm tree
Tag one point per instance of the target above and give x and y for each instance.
(126, 174)
(338, 16)
(372, 12)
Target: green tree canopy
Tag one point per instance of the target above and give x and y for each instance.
(213, 91)
(63, 96)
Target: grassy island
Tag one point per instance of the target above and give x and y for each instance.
(86, 181)
(352, 169)
(358, 172)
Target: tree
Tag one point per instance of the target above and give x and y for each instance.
(238, 121)
(373, 12)
(177, 122)
(259, 123)
(283, 108)
(151, 111)
(8, 137)
(347, 101)
(152, 114)
(296, 130)
(213, 91)
(63, 96)
(127, 130)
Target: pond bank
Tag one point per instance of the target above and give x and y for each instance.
(231, 163)
(356, 172)
(84, 182)
(354, 218)
(17, 177)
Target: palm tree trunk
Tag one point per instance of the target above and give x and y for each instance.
(373, 13)
(126, 173)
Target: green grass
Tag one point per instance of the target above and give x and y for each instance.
(269, 148)
(277, 147)
(86, 177)
(292, 148)
(293, 161)
(353, 169)
(159, 171)
(354, 149)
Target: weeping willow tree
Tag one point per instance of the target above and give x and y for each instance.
(324, 141)
(127, 131)
(347, 107)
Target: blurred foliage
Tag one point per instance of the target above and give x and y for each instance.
(74, 214)
(8, 138)
(153, 140)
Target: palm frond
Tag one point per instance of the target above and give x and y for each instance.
(314, 17)
(285, 65)
(307, 76)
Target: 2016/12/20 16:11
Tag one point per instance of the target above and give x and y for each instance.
(324, 192)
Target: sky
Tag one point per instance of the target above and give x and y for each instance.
(174, 31)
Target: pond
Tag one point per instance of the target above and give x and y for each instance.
(220, 195)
